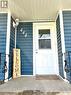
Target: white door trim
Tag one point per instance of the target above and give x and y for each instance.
(34, 58)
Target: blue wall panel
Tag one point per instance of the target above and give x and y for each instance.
(3, 32)
(12, 44)
(60, 57)
(67, 35)
(25, 43)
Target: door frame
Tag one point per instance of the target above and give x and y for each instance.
(35, 25)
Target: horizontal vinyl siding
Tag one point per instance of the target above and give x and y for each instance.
(67, 29)
(67, 35)
(12, 45)
(3, 32)
(60, 58)
(26, 46)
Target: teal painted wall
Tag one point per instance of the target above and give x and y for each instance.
(67, 36)
(3, 32)
(25, 43)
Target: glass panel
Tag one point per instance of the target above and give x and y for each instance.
(44, 39)
(44, 43)
(44, 34)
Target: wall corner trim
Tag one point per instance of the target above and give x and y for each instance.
(62, 38)
(8, 43)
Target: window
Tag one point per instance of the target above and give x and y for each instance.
(44, 39)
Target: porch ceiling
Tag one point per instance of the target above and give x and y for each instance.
(37, 9)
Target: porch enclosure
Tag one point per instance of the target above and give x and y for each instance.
(25, 43)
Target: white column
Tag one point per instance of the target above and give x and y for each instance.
(16, 25)
(62, 38)
(15, 35)
(7, 44)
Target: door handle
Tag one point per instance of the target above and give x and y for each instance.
(36, 52)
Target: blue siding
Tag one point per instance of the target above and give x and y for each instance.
(12, 44)
(60, 57)
(67, 35)
(26, 46)
(3, 32)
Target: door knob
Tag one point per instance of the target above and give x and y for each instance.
(36, 52)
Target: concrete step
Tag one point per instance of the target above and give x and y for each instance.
(33, 86)
(37, 92)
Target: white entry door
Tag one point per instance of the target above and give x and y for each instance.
(45, 49)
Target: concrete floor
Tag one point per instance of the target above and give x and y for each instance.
(29, 84)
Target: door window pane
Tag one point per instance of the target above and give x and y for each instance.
(44, 34)
(44, 39)
(44, 43)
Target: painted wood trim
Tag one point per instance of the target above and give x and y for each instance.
(62, 39)
(34, 50)
(7, 44)
(38, 21)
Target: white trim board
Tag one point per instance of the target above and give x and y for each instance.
(26, 75)
(64, 79)
(57, 16)
(8, 43)
(3, 12)
(37, 21)
(66, 9)
(62, 39)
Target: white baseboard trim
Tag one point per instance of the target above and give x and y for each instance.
(6, 80)
(26, 75)
(64, 79)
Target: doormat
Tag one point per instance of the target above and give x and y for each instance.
(47, 77)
